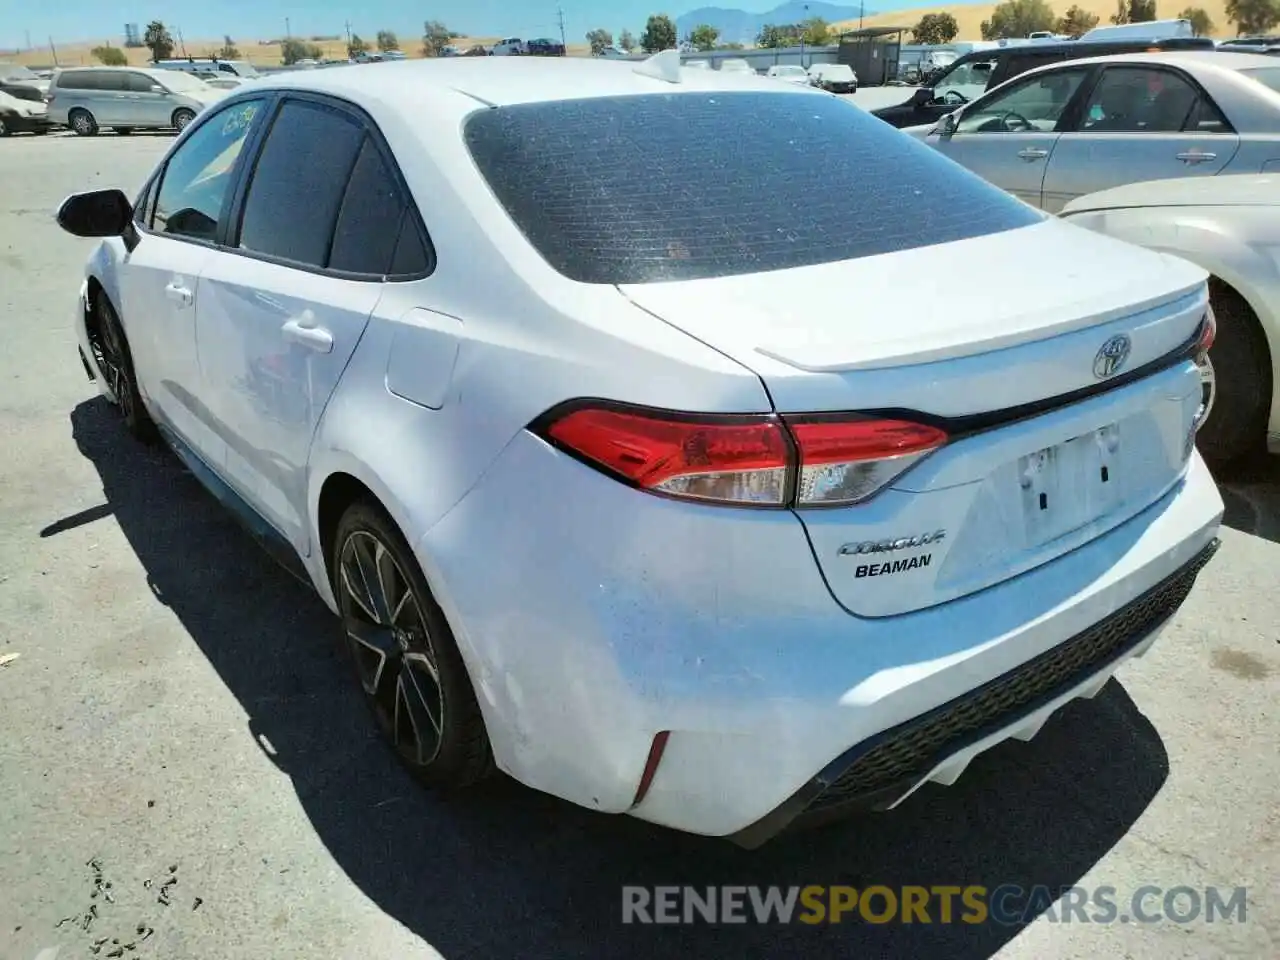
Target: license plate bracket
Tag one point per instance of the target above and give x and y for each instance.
(1070, 485)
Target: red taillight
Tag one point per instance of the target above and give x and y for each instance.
(730, 459)
(844, 461)
(1208, 331)
(752, 460)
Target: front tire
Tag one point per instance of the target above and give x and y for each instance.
(404, 654)
(1238, 382)
(111, 352)
(4, 128)
(181, 118)
(82, 122)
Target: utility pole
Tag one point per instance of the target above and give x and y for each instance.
(54, 51)
(287, 34)
(560, 19)
(348, 26)
(181, 43)
(804, 26)
(28, 39)
(862, 9)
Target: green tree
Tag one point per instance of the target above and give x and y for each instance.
(1202, 24)
(435, 37)
(704, 37)
(387, 41)
(158, 40)
(659, 34)
(774, 35)
(1018, 18)
(228, 50)
(935, 28)
(1075, 22)
(110, 56)
(815, 31)
(627, 41)
(600, 40)
(1253, 17)
(292, 50)
(1142, 11)
(356, 47)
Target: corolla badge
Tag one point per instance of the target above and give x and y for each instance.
(1112, 356)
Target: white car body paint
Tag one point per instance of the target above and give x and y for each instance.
(592, 616)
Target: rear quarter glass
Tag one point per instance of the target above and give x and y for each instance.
(686, 186)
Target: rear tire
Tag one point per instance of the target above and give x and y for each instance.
(1237, 423)
(4, 128)
(82, 122)
(181, 118)
(403, 653)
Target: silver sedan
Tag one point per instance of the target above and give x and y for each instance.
(1059, 132)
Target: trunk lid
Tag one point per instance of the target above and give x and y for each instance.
(996, 339)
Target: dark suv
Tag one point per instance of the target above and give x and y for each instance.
(977, 72)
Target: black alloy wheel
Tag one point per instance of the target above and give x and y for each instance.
(404, 655)
(111, 353)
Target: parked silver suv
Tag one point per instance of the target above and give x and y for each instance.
(126, 98)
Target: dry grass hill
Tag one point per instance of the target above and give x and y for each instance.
(969, 16)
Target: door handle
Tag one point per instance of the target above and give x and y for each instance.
(1033, 153)
(1195, 156)
(179, 294)
(304, 332)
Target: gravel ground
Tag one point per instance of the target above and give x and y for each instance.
(186, 770)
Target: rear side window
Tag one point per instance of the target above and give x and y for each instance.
(297, 187)
(683, 186)
(78, 80)
(116, 81)
(368, 227)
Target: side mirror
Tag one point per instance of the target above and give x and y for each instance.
(99, 213)
(921, 97)
(947, 125)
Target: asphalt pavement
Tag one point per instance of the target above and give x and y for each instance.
(186, 772)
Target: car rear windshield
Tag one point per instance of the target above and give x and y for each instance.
(1267, 76)
(662, 187)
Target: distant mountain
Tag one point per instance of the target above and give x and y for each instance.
(739, 26)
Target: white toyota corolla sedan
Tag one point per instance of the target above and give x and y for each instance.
(579, 391)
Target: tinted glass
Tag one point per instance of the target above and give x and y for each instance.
(298, 183)
(78, 80)
(1267, 76)
(682, 186)
(1138, 100)
(1206, 118)
(412, 257)
(139, 83)
(198, 175)
(364, 239)
(114, 80)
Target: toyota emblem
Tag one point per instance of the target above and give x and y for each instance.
(1112, 356)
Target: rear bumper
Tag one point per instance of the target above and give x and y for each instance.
(592, 618)
(882, 771)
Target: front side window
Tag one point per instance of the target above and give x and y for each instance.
(685, 186)
(139, 83)
(117, 81)
(965, 81)
(196, 179)
(291, 205)
(1035, 105)
(1139, 100)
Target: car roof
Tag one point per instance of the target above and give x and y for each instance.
(1226, 59)
(506, 81)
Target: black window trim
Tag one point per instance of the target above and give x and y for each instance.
(229, 231)
(1101, 70)
(157, 178)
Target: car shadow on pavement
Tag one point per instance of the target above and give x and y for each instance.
(504, 871)
(1251, 495)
